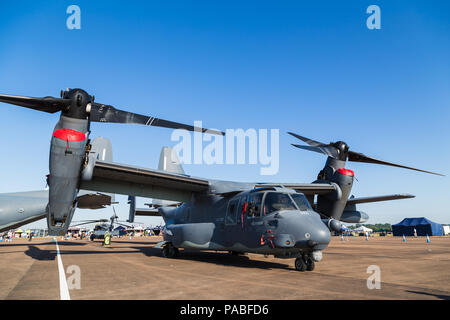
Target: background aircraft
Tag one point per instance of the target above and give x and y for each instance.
(105, 225)
(20, 208)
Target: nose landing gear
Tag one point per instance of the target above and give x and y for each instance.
(304, 262)
(169, 251)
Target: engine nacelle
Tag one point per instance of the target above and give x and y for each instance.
(329, 204)
(354, 216)
(67, 153)
(333, 224)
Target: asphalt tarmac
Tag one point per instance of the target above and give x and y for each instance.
(134, 269)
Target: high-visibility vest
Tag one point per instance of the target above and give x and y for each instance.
(107, 239)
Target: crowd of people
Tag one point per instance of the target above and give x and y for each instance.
(8, 236)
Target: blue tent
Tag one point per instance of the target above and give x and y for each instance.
(121, 230)
(422, 225)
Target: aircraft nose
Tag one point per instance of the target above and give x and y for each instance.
(309, 231)
(319, 238)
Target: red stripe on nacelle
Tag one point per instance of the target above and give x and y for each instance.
(69, 135)
(346, 172)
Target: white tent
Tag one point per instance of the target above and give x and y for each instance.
(363, 229)
(446, 230)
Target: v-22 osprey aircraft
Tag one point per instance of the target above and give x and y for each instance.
(281, 219)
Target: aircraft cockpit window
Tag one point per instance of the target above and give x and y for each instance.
(254, 204)
(301, 202)
(276, 201)
(230, 218)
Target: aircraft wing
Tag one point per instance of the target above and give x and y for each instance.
(131, 180)
(305, 188)
(353, 200)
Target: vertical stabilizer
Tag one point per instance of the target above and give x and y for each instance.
(102, 151)
(102, 148)
(132, 203)
(169, 162)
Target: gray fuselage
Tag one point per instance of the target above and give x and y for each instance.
(250, 221)
(19, 208)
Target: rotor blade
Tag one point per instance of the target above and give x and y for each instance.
(106, 113)
(311, 142)
(123, 224)
(359, 157)
(115, 214)
(89, 221)
(80, 224)
(46, 104)
(327, 150)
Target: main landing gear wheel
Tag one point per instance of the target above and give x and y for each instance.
(310, 265)
(169, 251)
(300, 264)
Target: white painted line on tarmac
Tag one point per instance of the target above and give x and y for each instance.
(63, 289)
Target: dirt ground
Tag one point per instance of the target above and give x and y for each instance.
(134, 269)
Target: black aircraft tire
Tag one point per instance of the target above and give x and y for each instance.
(310, 265)
(169, 251)
(166, 251)
(300, 264)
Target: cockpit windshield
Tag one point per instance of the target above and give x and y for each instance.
(99, 227)
(255, 200)
(276, 201)
(301, 201)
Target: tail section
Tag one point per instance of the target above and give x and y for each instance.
(169, 161)
(132, 203)
(102, 149)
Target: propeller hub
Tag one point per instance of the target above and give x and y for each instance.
(342, 149)
(79, 99)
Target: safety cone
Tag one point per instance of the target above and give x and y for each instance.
(404, 239)
(428, 239)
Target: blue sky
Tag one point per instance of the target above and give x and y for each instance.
(312, 68)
